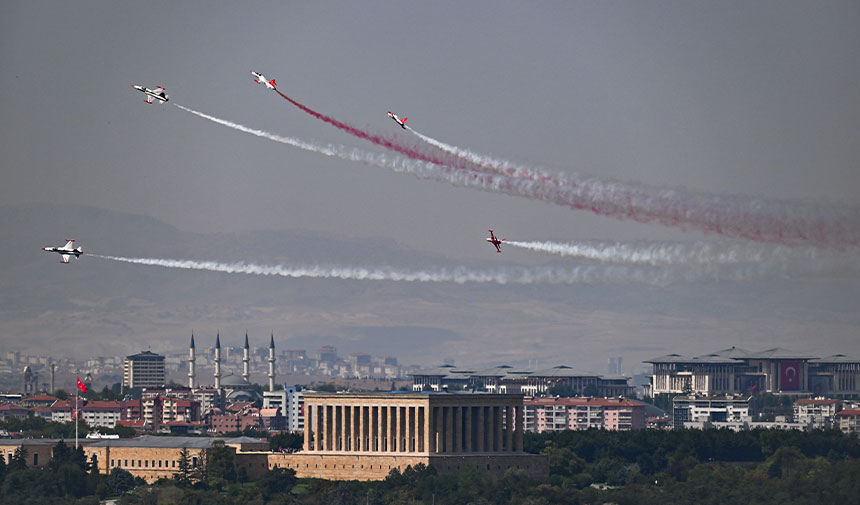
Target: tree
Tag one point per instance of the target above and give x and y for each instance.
(80, 459)
(183, 477)
(19, 459)
(94, 476)
(286, 440)
(61, 394)
(71, 479)
(562, 390)
(590, 390)
(119, 481)
(220, 464)
(2, 468)
(200, 473)
(61, 454)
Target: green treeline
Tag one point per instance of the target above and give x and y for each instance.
(586, 467)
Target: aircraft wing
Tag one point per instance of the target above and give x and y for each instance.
(65, 258)
(69, 244)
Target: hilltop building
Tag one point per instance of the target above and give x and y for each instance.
(506, 379)
(363, 436)
(736, 370)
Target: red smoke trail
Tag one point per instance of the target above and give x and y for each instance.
(376, 139)
(731, 216)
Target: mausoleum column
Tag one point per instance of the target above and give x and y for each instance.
(469, 429)
(408, 426)
(509, 428)
(438, 432)
(518, 434)
(379, 432)
(480, 423)
(429, 446)
(491, 442)
(449, 429)
(499, 416)
(458, 429)
(398, 434)
(308, 419)
(359, 440)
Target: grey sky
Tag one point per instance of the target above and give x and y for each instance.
(758, 98)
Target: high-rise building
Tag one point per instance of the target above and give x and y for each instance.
(145, 369)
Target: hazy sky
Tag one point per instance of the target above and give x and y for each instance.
(757, 98)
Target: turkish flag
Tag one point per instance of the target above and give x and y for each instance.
(789, 375)
(82, 386)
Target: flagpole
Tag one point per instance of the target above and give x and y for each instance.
(77, 415)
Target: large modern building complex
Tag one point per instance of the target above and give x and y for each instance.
(506, 379)
(736, 370)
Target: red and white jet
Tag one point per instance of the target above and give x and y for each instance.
(66, 251)
(261, 79)
(157, 93)
(496, 242)
(401, 122)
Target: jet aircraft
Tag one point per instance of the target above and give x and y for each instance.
(157, 93)
(261, 79)
(496, 242)
(66, 251)
(401, 122)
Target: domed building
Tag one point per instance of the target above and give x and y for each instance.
(237, 389)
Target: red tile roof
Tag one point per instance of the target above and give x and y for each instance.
(40, 398)
(133, 423)
(855, 412)
(573, 402)
(817, 401)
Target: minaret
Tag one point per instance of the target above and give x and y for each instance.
(246, 358)
(53, 374)
(218, 361)
(272, 363)
(191, 359)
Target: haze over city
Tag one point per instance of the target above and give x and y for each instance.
(749, 102)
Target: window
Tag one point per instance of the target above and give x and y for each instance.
(146, 463)
(125, 463)
(35, 459)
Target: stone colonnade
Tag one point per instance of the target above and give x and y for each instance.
(426, 423)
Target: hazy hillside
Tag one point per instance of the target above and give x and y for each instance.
(100, 307)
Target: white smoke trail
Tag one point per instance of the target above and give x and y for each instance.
(581, 274)
(731, 216)
(769, 220)
(680, 253)
(396, 163)
(483, 161)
